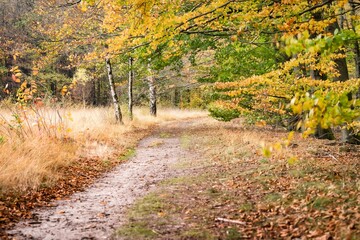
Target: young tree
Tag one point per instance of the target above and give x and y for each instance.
(130, 87)
(118, 114)
(152, 90)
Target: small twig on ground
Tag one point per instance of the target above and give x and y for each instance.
(156, 232)
(332, 156)
(183, 210)
(230, 221)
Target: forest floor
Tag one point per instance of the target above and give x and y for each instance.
(202, 179)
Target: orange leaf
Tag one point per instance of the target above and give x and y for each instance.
(15, 79)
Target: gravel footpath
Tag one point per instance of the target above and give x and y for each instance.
(97, 212)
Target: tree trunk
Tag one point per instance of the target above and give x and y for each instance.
(341, 64)
(152, 91)
(356, 43)
(98, 92)
(130, 87)
(83, 95)
(321, 133)
(347, 135)
(53, 88)
(357, 59)
(176, 99)
(118, 115)
(93, 92)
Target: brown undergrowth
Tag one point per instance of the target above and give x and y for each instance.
(37, 167)
(308, 190)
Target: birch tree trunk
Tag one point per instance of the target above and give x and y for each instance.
(118, 115)
(152, 91)
(130, 87)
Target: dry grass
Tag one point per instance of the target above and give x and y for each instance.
(46, 140)
(30, 163)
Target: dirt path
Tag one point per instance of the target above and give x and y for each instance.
(98, 211)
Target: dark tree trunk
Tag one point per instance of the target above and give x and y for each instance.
(341, 64)
(98, 91)
(118, 115)
(320, 132)
(347, 135)
(53, 88)
(356, 43)
(130, 87)
(93, 92)
(176, 99)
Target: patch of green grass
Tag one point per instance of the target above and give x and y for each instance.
(247, 172)
(106, 162)
(264, 161)
(316, 185)
(156, 143)
(2, 139)
(296, 173)
(137, 230)
(272, 198)
(246, 207)
(164, 135)
(44, 185)
(321, 203)
(185, 180)
(352, 202)
(299, 193)
(185, 141)
(128, 154)
(304, 187)
(266, 167)
(233, 234)
(265, 180)
(143, 215)
(197, 234)
(213, 192)
(150, 204)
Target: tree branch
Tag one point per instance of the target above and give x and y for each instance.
(315, 7)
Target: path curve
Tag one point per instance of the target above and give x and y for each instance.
(97, 212)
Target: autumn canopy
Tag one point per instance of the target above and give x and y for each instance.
(293, 63)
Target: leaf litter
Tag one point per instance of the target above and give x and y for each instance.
(231, 191)
(237, 193)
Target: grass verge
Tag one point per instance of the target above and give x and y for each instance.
(236, 193)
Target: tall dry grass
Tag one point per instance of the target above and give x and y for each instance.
(29, 163)
(36, 143)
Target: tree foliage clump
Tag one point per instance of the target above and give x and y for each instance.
(310, 89)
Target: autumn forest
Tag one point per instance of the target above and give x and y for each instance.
(224, 119)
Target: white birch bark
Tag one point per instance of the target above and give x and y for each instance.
(152, 90)
(118, 115)
(130, 87)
